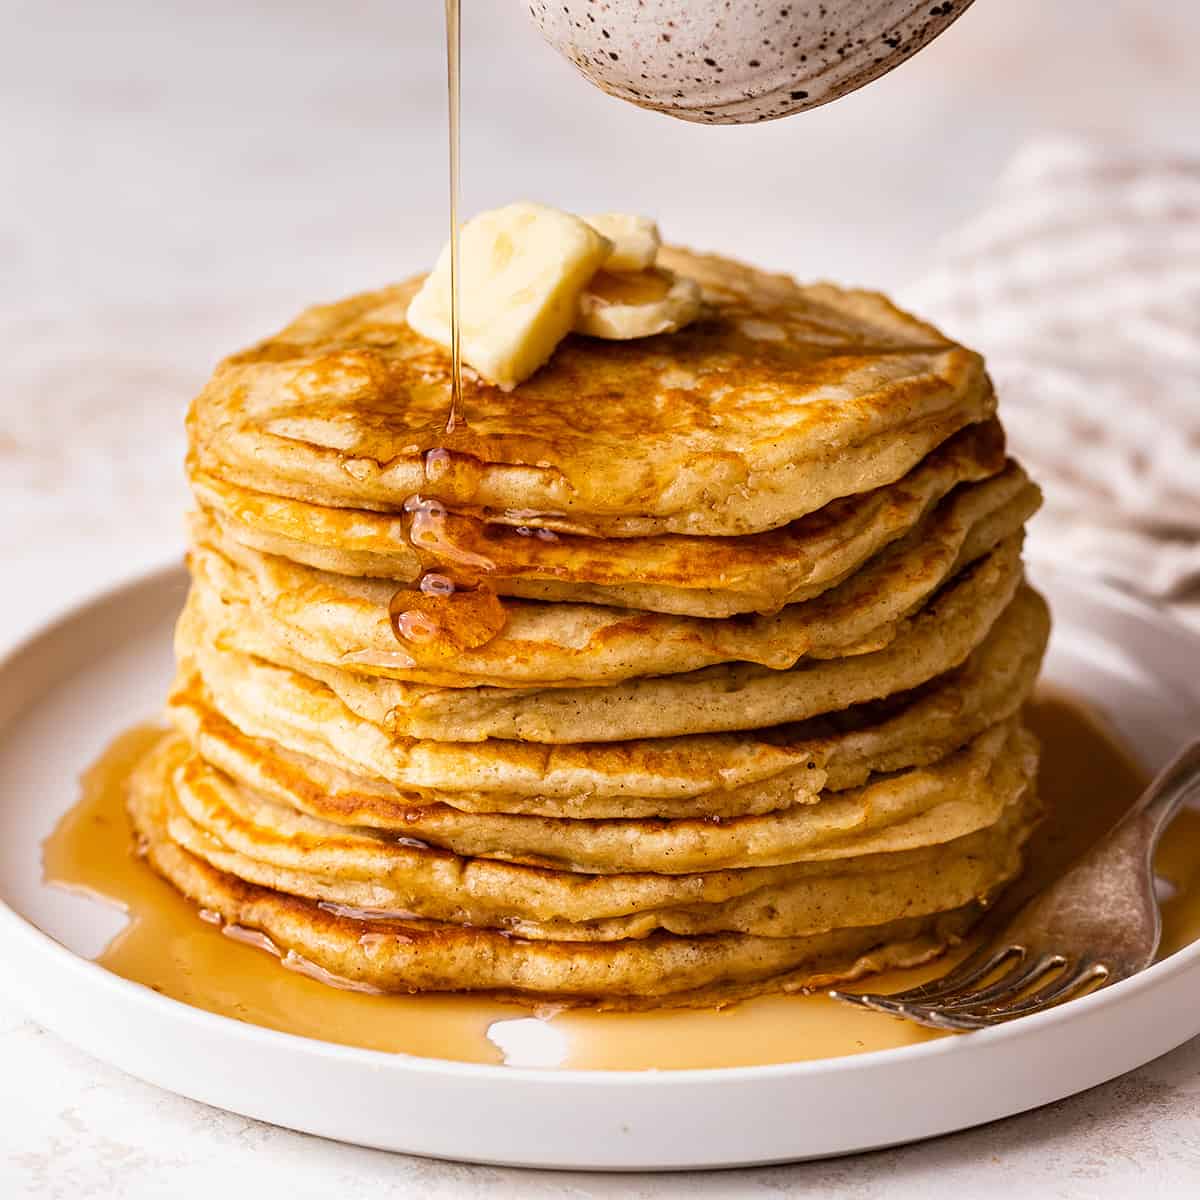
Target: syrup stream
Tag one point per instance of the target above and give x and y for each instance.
(451, 609)
(454, 96)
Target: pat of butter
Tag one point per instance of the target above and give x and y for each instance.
(523, 269)
(623, 306)
(635, 240)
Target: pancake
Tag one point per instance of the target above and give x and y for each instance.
(404, 955)
(781, 399)
(344, 622)
(216, 821)
(332, 787)
(923, 806)
(673, 573)
(729, 697)
(905, 731)
(305, 716)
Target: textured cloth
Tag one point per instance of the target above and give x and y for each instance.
(1080, 282)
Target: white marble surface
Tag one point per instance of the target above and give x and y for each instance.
(177, 178)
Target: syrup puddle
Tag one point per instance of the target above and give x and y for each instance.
(169, 947)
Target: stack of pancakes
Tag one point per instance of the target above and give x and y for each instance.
(725, 697)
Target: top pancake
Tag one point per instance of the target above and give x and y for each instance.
(779, 400)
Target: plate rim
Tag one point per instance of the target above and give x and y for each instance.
(14, 924)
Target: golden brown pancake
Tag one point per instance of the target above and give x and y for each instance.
(675, 573)
(782, 399)
(304, 716)
(344, 622)
(218, 822)
(907, 730)
(923, 806)
(730, 697)
(407, 954)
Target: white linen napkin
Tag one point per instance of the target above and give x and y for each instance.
(1080, 282)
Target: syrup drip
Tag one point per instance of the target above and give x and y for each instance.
(436, 626)
(289, 959)
(542, 535)
(428, 531)
(452, 609)
(184, 953)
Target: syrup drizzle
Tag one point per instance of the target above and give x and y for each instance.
(454, 97)
(452, 609)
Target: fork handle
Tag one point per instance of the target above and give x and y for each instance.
(1166, 795)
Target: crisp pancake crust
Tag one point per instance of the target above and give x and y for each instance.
(782, 399)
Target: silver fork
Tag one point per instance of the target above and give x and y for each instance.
(1098, 923)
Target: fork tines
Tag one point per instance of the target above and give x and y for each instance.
(958, 1002)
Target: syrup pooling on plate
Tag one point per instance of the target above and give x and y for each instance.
(170, 947)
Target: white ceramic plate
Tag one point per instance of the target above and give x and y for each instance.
(66, 692)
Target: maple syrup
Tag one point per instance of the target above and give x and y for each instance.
(452, 609)
(1086, 775)
(454, 104)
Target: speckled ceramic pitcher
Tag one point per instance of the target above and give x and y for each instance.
(733, 62)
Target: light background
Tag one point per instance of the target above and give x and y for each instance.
(178, 178)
